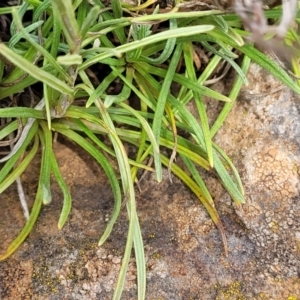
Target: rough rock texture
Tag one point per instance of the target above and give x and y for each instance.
(184, 252)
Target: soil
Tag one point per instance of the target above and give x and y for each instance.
(184, 252)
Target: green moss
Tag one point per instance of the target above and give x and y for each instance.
(232, 292)
(45, 278)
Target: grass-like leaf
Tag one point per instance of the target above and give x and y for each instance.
(11, 178)
(198, 192)
(46, 139)
(188, 57)
(28, 226)
(227, 182)
(11, 127)
(146, 60)
(233, 95)
(102, 87)
(21, 112)
(144, 68)
(63, 10)
(134, 230)
(266, 63)
(106, 167)
(13, 158)
(34, 71)
(161, 102)
(174, 15)
(174, 33)
(67, 202)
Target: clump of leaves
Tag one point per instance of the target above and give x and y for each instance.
(59, 48)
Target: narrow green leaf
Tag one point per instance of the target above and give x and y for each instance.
(167, 51)
(9, 128)
(221, 22)
(18, 36)
(102, 87)
(34, 71)
(186, 97)
(24, 135)
(67, 203)
(49, 58)
(233, 95)
(233, 168)
(145, 125)
(174, 15)
(12, 159)
(64, 11)
(16, 173)
(188, 58)
(69, 59)
(140, 262)
(22, 9)
(46, 139)
(230, 38)
(181, 109)
(26, 229)
(55, 38)
(128, 189)
(228, 59)
(41, 8)
(93, 151)
(174, 33)
(199, 194)
(117, 8)
(21, 112)
(82, 10)
(268, 64)
(29, 224)
(198, 179)
(227, 182)
(8, 9)
(89, 20)
(145, 68)
(161, 102)
(126, 90)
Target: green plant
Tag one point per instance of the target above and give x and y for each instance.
(60, 46)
